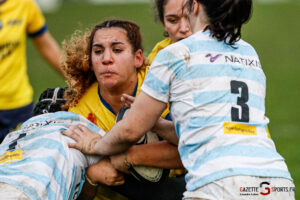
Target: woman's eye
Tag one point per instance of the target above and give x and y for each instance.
(98, 51)
(117, 50)
(173, 21)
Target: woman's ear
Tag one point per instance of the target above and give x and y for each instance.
(139, 59)
(196, 7)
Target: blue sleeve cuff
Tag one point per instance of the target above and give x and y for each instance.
(39, 32)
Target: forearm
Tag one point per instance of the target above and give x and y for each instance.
(114, 141)
(103, 172)
(166, 130)
(160, 154)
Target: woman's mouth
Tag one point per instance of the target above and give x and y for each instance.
(106, 74)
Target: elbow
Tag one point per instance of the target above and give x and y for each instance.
(130, 134)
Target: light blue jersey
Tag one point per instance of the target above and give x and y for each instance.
(217, 102)
(37, 160)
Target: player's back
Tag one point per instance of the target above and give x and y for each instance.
(37, 160)
(217, 100)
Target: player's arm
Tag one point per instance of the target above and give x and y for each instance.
(128, 131)
(164, 128)
(159, 154)
(124, 134)
(101, 172)
(49, 49)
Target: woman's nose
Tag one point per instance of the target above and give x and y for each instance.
(107, 57)
(184, 26)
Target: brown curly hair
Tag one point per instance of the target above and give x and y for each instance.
(77, 58)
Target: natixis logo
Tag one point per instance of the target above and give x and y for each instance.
(264, 189)
(212, 58)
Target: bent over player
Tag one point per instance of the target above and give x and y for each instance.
(36, 162)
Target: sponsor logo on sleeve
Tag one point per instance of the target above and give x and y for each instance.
(11, 156)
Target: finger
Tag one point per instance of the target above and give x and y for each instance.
(71, 134)
(122, 99)
(120, 178)
(130, 98)
(83, 128)
(128, 105)
(76, 129)
(119, 182)
(75, 146)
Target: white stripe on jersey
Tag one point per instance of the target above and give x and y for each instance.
(48, 168)
(208, 83)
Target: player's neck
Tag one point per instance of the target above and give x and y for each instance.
(113, 95)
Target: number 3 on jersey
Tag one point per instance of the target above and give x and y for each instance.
(241, 101)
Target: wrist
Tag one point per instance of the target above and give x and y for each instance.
(93, 145)
(158, 125)
(90, 181)
(126, 162)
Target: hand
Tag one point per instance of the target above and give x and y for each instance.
(85, 138)
(127, 100)
(118, 162)
(105, 173)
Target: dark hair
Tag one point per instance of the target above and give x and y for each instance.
(226, 17)
(160, 9)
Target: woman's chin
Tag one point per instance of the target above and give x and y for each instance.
(109, 84)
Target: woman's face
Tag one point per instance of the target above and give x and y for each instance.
(113, 60)
(175, 20)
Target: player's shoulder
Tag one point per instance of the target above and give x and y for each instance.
(90, 93)
(89, 98)
(175, 51)
(246, 47)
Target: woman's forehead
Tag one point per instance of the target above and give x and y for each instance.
(174, 7)
(111, 34)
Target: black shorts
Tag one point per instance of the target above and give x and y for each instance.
(10, 119)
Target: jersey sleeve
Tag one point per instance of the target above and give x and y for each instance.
(167, 65)
(158, 78)
(36, 22)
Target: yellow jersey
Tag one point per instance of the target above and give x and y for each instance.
(97, 110)
(159, 46)
(18, 18)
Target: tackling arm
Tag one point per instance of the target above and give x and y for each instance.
(141, 118)
(159, 154)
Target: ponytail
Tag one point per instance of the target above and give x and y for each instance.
(226, 18)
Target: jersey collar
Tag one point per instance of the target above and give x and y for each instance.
(107, 105)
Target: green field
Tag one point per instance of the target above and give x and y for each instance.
(274, 31)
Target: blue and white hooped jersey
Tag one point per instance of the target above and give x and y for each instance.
(217, 102)
(37, 160)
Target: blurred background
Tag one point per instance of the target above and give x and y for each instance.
(274, 31)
